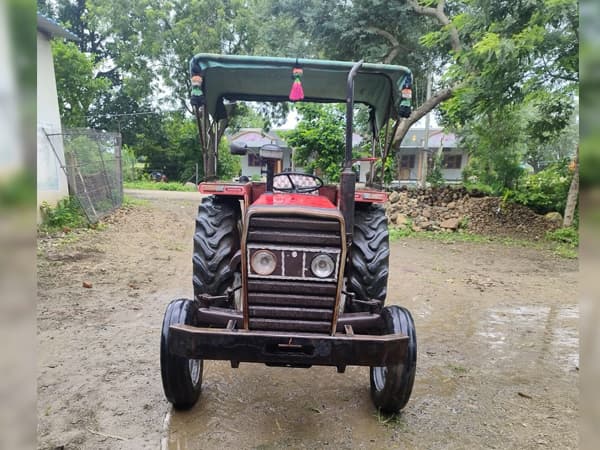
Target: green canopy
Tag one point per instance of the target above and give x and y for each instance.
(257, 78)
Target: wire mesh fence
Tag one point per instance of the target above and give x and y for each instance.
(92, 164)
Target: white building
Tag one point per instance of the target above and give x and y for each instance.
(414, 158)
(255, 138)
(51, 179)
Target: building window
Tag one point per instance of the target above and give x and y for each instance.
(254, 160)
(452, 161)
(407, 161)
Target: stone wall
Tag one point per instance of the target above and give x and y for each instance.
(450, 208)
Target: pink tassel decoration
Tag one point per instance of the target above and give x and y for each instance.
(297, 93)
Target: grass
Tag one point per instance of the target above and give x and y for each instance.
(67, 215)
(132, 201)
(566, 242)
(158, 186)
(391, 420)
(561, 243)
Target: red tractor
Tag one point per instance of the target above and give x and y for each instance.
(292, 272)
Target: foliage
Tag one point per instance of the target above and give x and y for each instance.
(516, 80)
(129, 164)
(176, 152)
(478, 189)
(436, 176)
(228, 165)
(66, 214)
(558, 148)
(516, 53)
(495, 149)
(545, 191)
(318, 140)
(77, 88)
(388, 174)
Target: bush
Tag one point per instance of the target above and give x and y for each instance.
(66, 214)
(478, 189)
(544, 191)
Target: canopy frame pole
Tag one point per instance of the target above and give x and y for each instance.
(348, 178)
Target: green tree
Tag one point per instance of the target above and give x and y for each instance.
(75, 83)
(495, 145)
(517, 73)
(485, 56)
(318, 139)
(228, 165)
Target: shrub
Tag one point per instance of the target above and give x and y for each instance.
(544, 191)
(66, 214)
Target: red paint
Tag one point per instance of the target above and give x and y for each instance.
(370, 196)
(311, 201)
(224, 189)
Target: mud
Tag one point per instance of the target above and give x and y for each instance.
(497, 364)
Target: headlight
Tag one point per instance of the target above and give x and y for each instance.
(263, 262)
(322, 266)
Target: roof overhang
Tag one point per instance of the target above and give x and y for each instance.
(53, 29)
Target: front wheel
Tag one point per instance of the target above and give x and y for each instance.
(369, 257)
(181, 377)
(392, 385)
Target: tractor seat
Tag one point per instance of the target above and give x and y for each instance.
(283, 184)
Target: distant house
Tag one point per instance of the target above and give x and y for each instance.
(414, 158)
(51, 179)
(255, 138)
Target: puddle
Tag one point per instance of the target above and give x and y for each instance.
(537, 333)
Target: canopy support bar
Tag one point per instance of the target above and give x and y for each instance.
(348, 178)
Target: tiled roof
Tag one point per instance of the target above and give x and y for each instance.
(415, 138)
(255, 137)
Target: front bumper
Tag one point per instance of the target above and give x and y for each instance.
(287, 349)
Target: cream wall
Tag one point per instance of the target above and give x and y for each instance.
(51, 179)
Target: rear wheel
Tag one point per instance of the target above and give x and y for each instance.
(392, 385)
(216, 240)
(369, 260)
(181, 377)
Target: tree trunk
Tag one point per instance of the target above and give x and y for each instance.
(573, 194)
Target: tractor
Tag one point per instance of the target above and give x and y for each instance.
(292, 272)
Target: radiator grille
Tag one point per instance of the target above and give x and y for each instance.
(292, 304)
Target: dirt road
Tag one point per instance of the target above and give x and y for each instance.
(497, 365)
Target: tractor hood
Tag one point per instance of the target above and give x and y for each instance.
(253, 78)
(294, 200)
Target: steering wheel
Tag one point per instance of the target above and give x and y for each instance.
(296, 182)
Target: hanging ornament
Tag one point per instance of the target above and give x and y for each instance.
(404, 108)
(297, 93)
(197, 93)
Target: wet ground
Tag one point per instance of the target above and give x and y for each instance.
(497, 365)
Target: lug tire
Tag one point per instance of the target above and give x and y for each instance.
(392, 385)
(216, 239)
(181, 377)
(369, 260)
